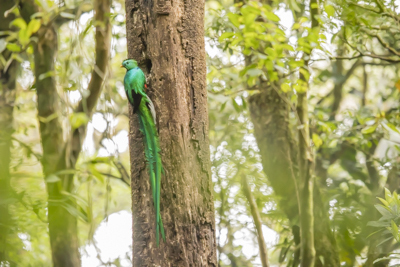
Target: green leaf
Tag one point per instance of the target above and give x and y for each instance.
(305, 73)
(383, 210)
(13, 47)
(3, 44)
(67, 15)
(226, 35)
(49, 118)
(52, 178)
(391, 126)
(23, 37)
(46, 75)
(377, 223)
(388, 195)
(244, 102)
(105, 160)
(383, 241)
(301, 86)
(78, 119)
(369, 129)
(234, 19)
(384, 258)
(33, 26)
(235, 105)
(395, 230)
(384, 202)
(317, 140)
(254, 72)
(272, 16)
(330, 10)
(296, 26)
(380, 230)
(285, 87)
(77, 212)
(321, 258)
(18, 22)
(96, 173)
(223, 106)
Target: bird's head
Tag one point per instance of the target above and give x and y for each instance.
(129, 64)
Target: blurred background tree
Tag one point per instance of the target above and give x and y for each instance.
(263, 57)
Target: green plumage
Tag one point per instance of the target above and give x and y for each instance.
(134, 83)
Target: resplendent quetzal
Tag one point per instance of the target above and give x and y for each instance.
(135, 84)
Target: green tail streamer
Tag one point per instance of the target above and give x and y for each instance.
(152, 153)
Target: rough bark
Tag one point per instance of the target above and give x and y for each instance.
(7, 97)
(167, 39)
(257, 221)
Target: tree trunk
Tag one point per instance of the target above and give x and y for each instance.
(167, 39)
(7, 97)
(62, 224)
(270, 116)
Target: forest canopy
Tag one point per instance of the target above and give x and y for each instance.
(302, 144)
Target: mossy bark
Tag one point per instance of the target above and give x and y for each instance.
(7, 97)
(167, 39)
(278, 148)
(62, 220)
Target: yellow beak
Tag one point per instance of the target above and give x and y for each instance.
(121, 66)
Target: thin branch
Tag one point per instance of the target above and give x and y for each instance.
(124, 174)
(363, 54)
(115, 177)
(382, 42)
(60, 18)
(103, 43)
(386, 14)
(257, 221)
(27, 147)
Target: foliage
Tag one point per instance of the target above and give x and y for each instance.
(354, 140)
(101, 182)
(351, 61)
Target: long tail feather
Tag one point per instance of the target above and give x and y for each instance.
(152, 152)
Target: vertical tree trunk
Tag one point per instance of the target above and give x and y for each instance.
(306, 163)
(278, 148)
(7, 97)
(62, 224)
(167, 39)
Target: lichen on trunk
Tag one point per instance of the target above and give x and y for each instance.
(167, 39)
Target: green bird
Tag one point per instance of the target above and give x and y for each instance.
(135, 84)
